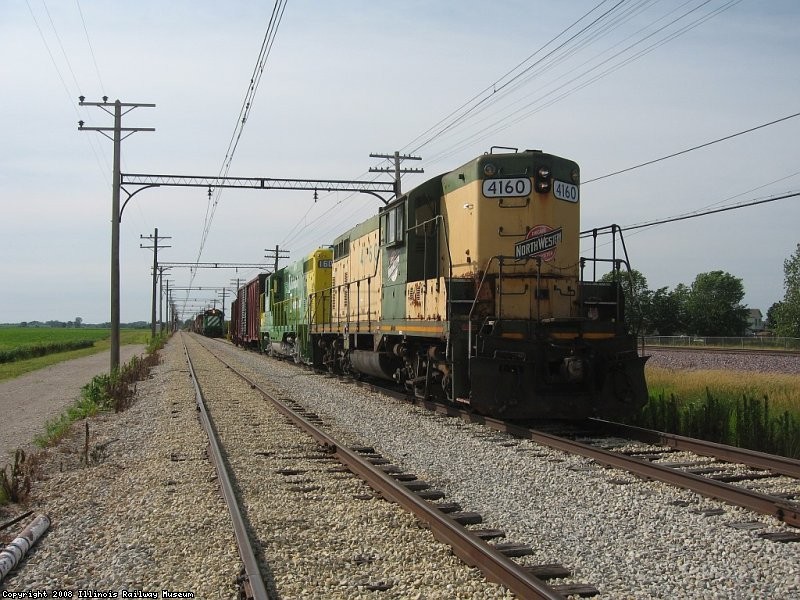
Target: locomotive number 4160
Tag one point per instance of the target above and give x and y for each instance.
(506, 188)
(565, 191)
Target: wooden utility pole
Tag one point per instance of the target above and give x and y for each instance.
(397, 157)
(117, 138)
(276, 254)
(154, 238)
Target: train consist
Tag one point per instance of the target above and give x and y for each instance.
(468, 288)
(210, 323)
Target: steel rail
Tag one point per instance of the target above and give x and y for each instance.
(468, 547)
(732, 454)
(255, 581)
(783, 510)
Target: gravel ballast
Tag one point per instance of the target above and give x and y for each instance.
(321, 531)
(148, 515)
(765, 362)
(630, 538)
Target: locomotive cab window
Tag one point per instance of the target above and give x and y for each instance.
(341, 249)
(393, 225)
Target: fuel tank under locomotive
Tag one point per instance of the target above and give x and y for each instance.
(375, 364)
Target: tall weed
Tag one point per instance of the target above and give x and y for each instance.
(744, 421)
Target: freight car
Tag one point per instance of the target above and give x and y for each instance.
(246, 313)
(471, 288)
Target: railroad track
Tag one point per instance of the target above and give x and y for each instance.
(706, 478)
(448, 523)
(564, 506)
(713, 479)
(252, 583)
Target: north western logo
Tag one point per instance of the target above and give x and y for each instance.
(541, 241)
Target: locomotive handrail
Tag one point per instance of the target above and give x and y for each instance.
(612, 230)
(469, 316)
(448, 351)
(616, 262)
(346, 286)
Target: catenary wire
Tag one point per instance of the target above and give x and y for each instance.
(255, 79)
(506, 121)
(91, 49)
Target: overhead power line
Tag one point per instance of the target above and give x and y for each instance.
(482, 113)
(687, 150)
(596, 68)
(462, 112)
(91, 49)
(69, 93)
(589, 232)
(244, 112)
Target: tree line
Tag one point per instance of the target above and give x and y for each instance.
(78, 322)
(710, 306)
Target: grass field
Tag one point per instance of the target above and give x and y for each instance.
(760, 411)
(15, 336)
(782, 390)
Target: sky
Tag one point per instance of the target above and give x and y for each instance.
(609, 84)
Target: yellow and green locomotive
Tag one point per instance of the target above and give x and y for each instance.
(291, 304)
(470, 287)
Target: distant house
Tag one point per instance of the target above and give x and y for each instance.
(755, 321)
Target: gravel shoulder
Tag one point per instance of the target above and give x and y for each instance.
(29, 401)
(146, 514)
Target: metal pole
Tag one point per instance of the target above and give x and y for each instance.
(161, 298)
(155, 275)
(115, 308)
(13, 553)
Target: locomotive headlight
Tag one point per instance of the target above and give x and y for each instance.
(575, 176)
(489, 170)
(542, 180)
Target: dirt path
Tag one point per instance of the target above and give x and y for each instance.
(29, 401)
